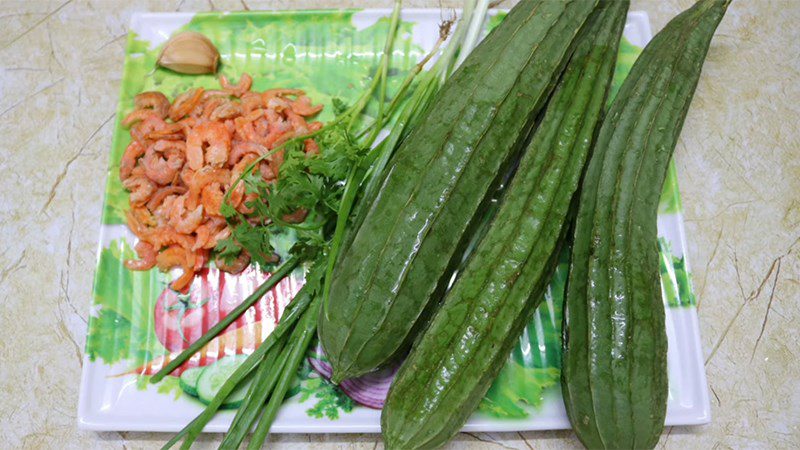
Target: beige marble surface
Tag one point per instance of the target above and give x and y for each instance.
(739, 170)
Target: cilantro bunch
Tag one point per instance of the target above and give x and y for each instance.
(311, 183)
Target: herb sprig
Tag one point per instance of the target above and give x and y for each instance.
(311, 184)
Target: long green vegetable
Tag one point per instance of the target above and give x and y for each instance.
(371, 170)
(438, 180)
(614, 370)
(457, 358)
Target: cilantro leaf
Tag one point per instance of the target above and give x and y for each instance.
(227, 210)
(313, 183)
(228, 249)
(256, 242)
(339, 106)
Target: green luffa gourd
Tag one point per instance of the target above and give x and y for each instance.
(614, 364)
(442, 177)
(469, 339)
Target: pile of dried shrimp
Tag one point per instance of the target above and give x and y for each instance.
(185, 155)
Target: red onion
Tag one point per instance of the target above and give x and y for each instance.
(369, 390)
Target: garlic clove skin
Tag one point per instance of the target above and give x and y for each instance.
(190, 53)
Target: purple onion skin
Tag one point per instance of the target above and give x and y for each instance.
(369, 390)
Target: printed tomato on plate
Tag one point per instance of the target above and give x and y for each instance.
(181, 319)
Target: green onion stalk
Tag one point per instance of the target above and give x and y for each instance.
(271, 368)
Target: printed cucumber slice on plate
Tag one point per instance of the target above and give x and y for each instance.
(188, 380)
(214, 376)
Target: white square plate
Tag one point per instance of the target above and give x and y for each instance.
(112, 402)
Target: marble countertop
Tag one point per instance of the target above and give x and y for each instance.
(738, 163)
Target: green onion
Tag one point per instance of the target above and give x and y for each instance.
(305, 331)
(264, 380)
(195, 427)
(380, 78)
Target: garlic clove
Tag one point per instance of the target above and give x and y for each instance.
(189, 52)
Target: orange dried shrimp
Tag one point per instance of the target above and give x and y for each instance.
(185, 155)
